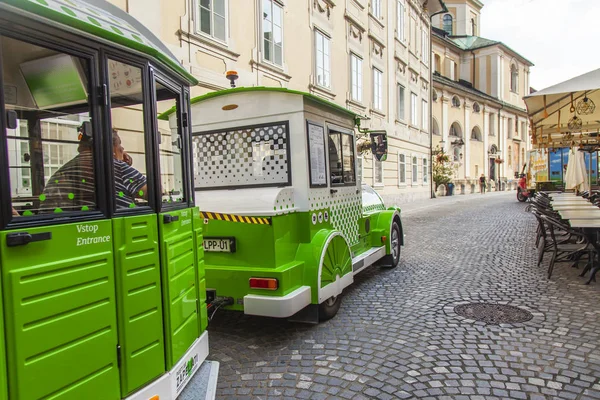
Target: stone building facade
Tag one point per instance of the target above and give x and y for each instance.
(479, 116)
(370, 56)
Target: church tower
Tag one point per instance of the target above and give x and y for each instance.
(462, 19)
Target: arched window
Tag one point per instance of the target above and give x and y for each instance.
(514, 78)
(455, 101)
(447, 24)
(436, 128)
(476, 134)
(476, 107)
(434, 95)
(455, 130)
(473, 27)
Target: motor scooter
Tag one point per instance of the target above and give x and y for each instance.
(523, 193)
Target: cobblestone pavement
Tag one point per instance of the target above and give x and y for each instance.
(397, 335)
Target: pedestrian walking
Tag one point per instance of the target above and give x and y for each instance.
(482, 183)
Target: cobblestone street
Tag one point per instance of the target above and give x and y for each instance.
(397, 334)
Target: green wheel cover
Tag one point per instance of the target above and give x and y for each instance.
(336, 262)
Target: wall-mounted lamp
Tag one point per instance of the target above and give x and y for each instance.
(458, 142)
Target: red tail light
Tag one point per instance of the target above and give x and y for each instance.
(264, 283)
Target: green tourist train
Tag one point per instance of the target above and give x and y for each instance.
(130, 211)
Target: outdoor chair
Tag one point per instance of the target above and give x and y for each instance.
(566, 251)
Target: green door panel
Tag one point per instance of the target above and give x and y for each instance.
(141, 335)
(198, 225)
(3, 377)
(180, 291)
(60, 314)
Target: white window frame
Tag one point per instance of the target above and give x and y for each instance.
(401, 21)
(323, 42)
(415, 170)
(377, 89)
(424, 46)
(414, 112)
(376, 8)
(356, 78)
(401, 168)
(401, 98)
(379, 166)
(424, 114)
(274, 4)
(211, 35)
(425, 165)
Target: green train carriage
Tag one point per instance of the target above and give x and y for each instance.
(101, 276)
(287, 222)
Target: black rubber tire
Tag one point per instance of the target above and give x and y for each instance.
(389, 261)
(521, 197)
(329, 308)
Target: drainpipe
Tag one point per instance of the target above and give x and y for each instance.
(500, 137)
(431, 60)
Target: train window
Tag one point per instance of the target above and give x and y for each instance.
(341, 158)
(128, 138)
(50, 153)
(171, 146)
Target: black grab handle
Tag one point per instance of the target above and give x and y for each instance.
(23, 238)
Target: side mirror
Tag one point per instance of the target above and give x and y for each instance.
(11, 119)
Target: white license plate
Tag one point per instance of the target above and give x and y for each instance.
(219, 245)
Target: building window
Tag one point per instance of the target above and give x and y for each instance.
(323, 61)
(401, 169)
(455, 101)
(524, 130)
(492, 125)
(356, 77)
(425, 173)
(377, 89)
(400, 21)
(213, 16)
(424, 46)
(415, 170)
(448, 24)
(456, 153)
(514, 78)
(413, 35)
(376, 8)
(455, 130)
(510, 155)
(401, 108)
(437, 64)
(424, 115)
(452, 71)
(476, 108)
(414, 120)
(272, 25)
(377, 172)
(435, 128)
(510, 128)
(476, 134)
(473, 27)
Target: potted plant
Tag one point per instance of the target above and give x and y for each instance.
(441, 168)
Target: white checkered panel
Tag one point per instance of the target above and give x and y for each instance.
(346, 209)
(241, 157)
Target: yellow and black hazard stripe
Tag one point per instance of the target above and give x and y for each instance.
(236, 218)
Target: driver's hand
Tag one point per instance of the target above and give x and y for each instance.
(127, 159)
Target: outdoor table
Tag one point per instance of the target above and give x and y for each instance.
(564, 207)
(590, 228)
(580, 214)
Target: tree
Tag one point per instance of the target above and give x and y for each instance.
(442, 167)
